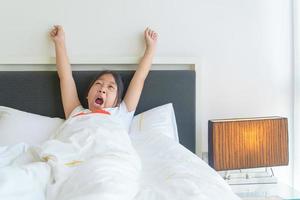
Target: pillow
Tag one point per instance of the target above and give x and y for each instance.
(18, 126)
(160, 119)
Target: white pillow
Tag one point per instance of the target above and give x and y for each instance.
(18, 126)
(160, 119)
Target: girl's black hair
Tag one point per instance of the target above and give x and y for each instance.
(118, 80)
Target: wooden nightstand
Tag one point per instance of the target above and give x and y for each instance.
(279, 191)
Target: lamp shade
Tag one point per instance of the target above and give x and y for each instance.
(247, 143)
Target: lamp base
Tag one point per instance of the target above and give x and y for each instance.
(249, 176)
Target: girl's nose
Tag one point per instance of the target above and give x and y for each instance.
(101, 91)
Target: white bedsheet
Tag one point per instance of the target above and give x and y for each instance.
(169, 171)
(90, 157)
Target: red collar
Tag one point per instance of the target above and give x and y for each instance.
(96, 111)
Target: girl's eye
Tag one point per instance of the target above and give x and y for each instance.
(111, 87)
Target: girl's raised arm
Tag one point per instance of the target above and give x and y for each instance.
(69, 94)
(136, 85)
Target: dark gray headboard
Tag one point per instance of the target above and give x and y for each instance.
(38, 92)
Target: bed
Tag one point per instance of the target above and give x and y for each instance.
(171, 170)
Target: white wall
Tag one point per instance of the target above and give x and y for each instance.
(297, 94)
(244, 46)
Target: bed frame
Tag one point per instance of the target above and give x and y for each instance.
(36, 89)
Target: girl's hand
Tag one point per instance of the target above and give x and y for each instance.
(151, 38)
(57, 34)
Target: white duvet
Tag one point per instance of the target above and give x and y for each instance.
(170, 171)
(87, 160)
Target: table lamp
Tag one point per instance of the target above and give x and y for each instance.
(244, 143)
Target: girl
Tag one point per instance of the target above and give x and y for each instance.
(91, 155)
(105, 91)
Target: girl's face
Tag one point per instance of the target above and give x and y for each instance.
(103, 93)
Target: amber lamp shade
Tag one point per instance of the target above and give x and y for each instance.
(247, 143)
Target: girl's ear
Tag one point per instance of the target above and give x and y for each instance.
(116, 102)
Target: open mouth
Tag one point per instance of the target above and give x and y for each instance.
(99, 101)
